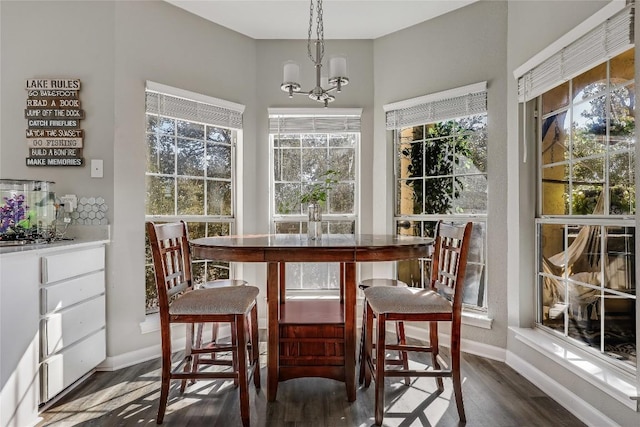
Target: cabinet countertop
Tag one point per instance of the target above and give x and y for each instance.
(48, 247)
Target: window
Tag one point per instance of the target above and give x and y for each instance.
(440, 146)
(586, 210)
(305, 144)
(190, 170)
(583, 98)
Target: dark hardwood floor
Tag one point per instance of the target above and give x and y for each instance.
(494, 396)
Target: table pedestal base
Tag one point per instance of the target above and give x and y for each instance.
(312, 340)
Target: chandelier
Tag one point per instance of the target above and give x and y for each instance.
(337, 76)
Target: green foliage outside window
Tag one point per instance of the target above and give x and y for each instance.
(589, 150)
(441, 175)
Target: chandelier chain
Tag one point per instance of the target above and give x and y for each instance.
(319, 31)
(310, 28)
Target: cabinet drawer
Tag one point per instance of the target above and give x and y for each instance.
(63, 328)
(60, 371)
(65, 294)
(65, 265)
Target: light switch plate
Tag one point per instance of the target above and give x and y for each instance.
(97, 168)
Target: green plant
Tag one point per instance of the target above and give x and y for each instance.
(317, 193)
(14, 213)
(620, 200)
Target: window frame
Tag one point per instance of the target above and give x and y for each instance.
(572, 219)
(441, 107)
(230, 220)
(301, 218)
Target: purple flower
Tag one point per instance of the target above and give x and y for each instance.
(12, 212)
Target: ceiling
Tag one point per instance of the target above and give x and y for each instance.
(343, 19)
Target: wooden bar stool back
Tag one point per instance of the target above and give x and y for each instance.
(441, 302)
(179, 302)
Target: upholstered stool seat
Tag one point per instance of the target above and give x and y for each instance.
(223, 300)
(406, 300)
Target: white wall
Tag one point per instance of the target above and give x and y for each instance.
(463, 47)
(67, 40)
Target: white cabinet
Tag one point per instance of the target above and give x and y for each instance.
(72, 326)
(52, 323)
(65, 367)
(19, 339)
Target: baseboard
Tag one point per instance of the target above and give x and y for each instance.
(113, 363)
(467, 346)
(572, 403)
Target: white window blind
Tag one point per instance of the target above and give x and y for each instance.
(612, 37)
(451, 104)
(314, 120)
(184, 105)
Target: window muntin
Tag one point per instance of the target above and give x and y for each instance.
(189, 175)
(441, 174)
(585, 228)
(299, 160)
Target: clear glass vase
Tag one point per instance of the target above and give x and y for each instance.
(314, 224)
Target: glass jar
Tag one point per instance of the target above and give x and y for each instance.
(27, 210)
(314, 224)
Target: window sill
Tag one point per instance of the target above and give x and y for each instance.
(615, 382)
(150, 324)
(477, 319)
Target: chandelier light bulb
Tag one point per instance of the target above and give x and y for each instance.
(338, 67)
(291, 72)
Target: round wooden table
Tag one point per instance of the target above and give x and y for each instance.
(314, 337)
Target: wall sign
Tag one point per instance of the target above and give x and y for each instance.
(53, 114)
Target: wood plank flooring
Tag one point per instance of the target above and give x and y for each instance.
(494, 396)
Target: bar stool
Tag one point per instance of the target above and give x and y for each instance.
(179, 302)
(440, 302)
